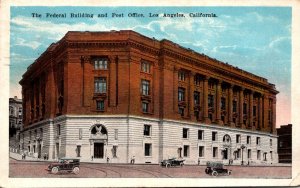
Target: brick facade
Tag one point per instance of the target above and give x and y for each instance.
(126, 73)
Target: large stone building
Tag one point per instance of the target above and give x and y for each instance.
(285, 143)
(120, 94)
(15, 115)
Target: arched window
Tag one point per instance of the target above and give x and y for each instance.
(98, 129)
(226, 138)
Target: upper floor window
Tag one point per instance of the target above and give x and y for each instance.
(100, 63)
(181, 92)
(197, 80)
(210, 100)
(257, 140)
(100, 85)
(223, 103)
(234, 106)
(181, 76)
(147, 130)
(185, 133)
(100, 105)
(145, 85)
(196, 98)
(58, 130)
(245, 108)
(271, 142)
(145, 107)
(11, 110)
(248, 139)
(145, 66)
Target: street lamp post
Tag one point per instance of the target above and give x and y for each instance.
(242, 147)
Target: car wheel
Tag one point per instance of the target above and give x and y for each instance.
(76, 170)
(181, 164)
(54, 170)
(168, 165)
(214, 173)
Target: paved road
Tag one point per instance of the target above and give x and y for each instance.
(28, 169)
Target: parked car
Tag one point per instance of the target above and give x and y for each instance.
(216, 168)
(172, 162)
(65, 164)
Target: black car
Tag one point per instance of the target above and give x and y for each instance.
(172, 162)
(216, 168)
(64, 164)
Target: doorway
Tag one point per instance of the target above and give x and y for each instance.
(57, 150)
(98, 150)
(225, 153)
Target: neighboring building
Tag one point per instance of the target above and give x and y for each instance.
(121, 95)
(285, 143)
(15, 115)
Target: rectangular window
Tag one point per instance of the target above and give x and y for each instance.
(201, 151)
(181, 93)
(223, 103)
(200, 134)
(100, 63)
(257, 140)
(258, 154)
(100, 105)
(249, 154)
(145, 66)
(271, 155)
(238, 138)
(78, 150)
(145, 86)
(254, 111)
(185, 133)
(116, 134)
(181, 111)
(210, 101)
(186, 151)
(147, 130)
(215, 152)
(234, 106)
(181, 76)
(245, 109)
(248, 139)
(114, 151)
(147, 149)
(271, 142)
(196, 98)
(197, 80)
(214, 136)
(265, 156)
(145, 107)
(238, 154)
(58, 130)
(100, 85)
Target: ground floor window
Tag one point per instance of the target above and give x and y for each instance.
(201, 151)
(148, 149)
(249, 154)
(265, 156)
(114, 151)
(215, 152)
(238, 153)
(271, 155)
(78, 150)
(258, 154)
(186, 150)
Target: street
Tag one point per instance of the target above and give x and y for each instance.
(27, 169)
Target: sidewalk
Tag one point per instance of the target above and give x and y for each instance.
(18, 157)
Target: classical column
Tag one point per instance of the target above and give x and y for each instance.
(260, 109)
(251, 109)
(230, 96)
(219, 91)
(175, 93)
(191, 95)
(241, 103)
(205, 99)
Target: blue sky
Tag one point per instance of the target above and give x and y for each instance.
(255, 39)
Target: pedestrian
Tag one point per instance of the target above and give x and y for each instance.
(132, 160)
(107, 159)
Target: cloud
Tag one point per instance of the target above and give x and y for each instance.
(31, 44)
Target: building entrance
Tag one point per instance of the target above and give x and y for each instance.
(98, 150)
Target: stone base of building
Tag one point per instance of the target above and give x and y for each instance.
(131, 139)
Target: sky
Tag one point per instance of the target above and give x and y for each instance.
(255, 39)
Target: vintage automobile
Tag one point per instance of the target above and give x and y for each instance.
(172, 162)
(65, 164)
(216, 168)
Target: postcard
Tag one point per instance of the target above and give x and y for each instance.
(145, 95)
